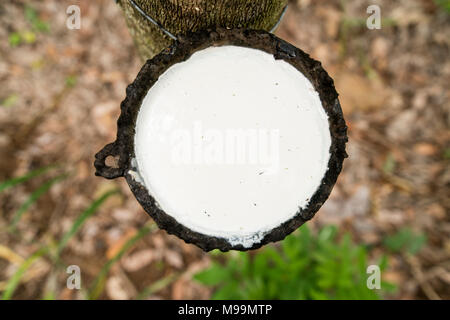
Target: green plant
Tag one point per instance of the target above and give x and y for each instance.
(35, 195)
(81, 219)
(18, 180)
(33, 18)
(14, 39)
(444, 4)
(306, 266)
(54, 249)
(10, 100)
(29, 36)
(447, 154)
(71, 81)
(14, 281)
(157, 286)
(50, 250)
(389, 164)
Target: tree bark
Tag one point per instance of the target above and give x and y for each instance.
(181, 16)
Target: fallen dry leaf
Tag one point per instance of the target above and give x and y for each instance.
(137, 260)
(359, 93)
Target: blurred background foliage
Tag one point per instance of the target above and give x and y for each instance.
(305, 266)
(59, 101)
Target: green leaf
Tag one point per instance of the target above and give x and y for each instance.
(388, 287)
(444, 4)
(260, 264)
(255, 289)
(30, 14)
(156, 286)
(307, 266)
(49, 296)
(227, 292)
(417, 243)
(291, 246)
(304, 235)
(81, 219)
(14, 39)
(383, 262)
(244, 262)
(15, 181)
(33, 18)
(275, 257)
(10, 101)
(212, 276)
(33, 198)
(28, 36)
(41, 26)
(389, 164)
(327, 234)
(71, 81)
(362, 260)
(405, 240)
(318, 295)
(446, 154)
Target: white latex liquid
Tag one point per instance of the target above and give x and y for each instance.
(184, 142)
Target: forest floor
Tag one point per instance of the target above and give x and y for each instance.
(60, 92)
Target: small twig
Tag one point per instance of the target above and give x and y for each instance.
(420, 277)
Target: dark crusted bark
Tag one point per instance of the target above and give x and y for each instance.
(182, 16)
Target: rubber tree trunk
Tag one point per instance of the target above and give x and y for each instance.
(181, 16)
